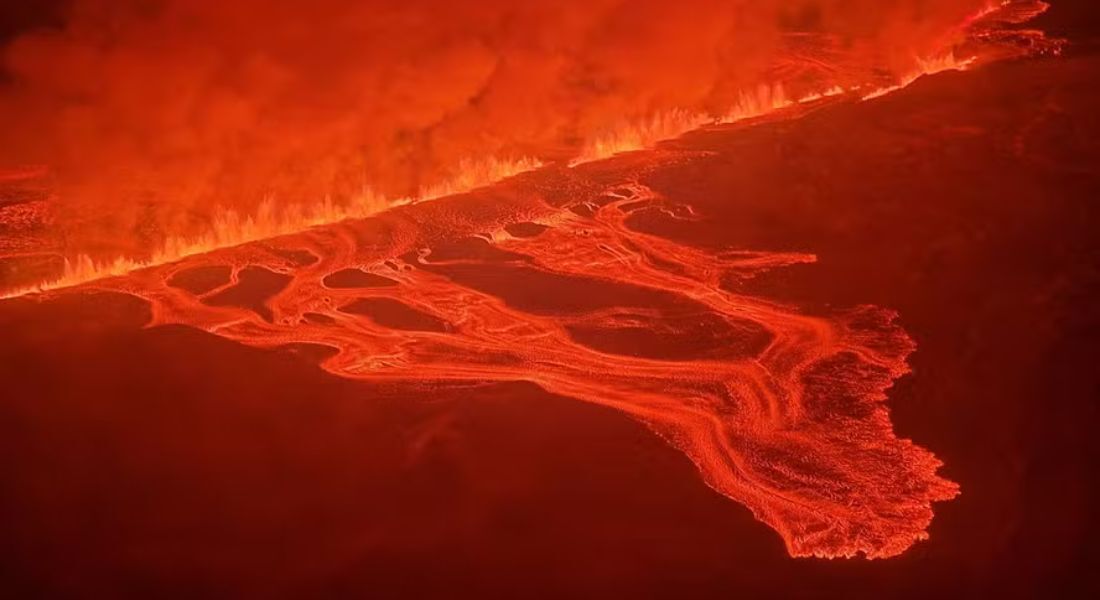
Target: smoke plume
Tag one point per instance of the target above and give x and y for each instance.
(152, 114)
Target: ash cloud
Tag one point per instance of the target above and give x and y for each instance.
(153, 113)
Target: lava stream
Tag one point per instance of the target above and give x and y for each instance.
(780, 410)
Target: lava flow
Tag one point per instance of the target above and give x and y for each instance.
(781, 411)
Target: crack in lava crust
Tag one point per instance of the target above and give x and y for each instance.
(780, 410)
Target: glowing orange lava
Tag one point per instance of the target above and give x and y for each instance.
(781, 411)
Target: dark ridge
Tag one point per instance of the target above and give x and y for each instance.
(683, 336)
(313, 353)
(542, 292)
(525, 229)
(473, 248)
(356, 278)
(582, 210)
(199, 280)
(318, 318)
(254, 287)
(394, 314)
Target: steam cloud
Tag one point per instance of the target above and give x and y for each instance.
(152, 113)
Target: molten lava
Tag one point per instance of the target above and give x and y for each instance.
(780, 410)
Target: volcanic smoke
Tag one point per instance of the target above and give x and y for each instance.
(173, 127)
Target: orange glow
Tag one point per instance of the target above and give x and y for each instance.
(150, 169)
(665, 126)
(770, 406)
(946, 62)
(779, 409)
(231, 228)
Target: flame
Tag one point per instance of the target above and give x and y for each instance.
(641, 134)
(926, 66)
(829, 93)
(765, 99)
(232, 228)
(948, 61)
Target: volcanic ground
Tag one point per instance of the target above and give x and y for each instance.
(858, 329)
